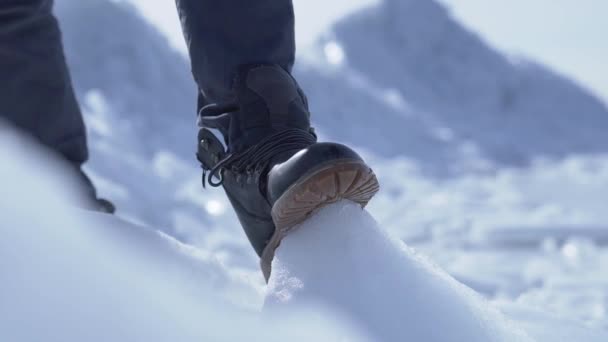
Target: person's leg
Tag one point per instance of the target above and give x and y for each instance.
(223, 35)
(273, 171)
(36, 93)
(35, 90)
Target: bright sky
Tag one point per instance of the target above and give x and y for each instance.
(569, 36)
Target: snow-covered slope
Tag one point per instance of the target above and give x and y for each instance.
(69, 275)
(387, 289)
(404, 78)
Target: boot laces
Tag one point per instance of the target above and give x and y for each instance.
(255, 159)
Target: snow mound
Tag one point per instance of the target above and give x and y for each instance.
(68, 275)
(380, 284)
(410, 80)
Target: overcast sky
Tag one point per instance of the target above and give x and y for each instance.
(569, 36)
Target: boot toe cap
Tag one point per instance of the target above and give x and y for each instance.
(305, 162)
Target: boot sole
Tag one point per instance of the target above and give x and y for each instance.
(329, 183)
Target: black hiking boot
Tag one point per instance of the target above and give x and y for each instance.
(273, 170)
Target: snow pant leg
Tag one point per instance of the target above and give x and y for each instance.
(36, 93)
(223, 34)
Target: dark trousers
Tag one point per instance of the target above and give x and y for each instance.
(36, 93)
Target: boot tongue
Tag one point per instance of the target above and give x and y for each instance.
(278, 91)
(270, 102)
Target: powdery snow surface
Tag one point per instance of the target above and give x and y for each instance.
(69, 275)
(379, 283)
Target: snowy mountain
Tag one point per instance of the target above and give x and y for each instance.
(404, 78)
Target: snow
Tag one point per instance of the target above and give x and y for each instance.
(380, 284)
(69, 275)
